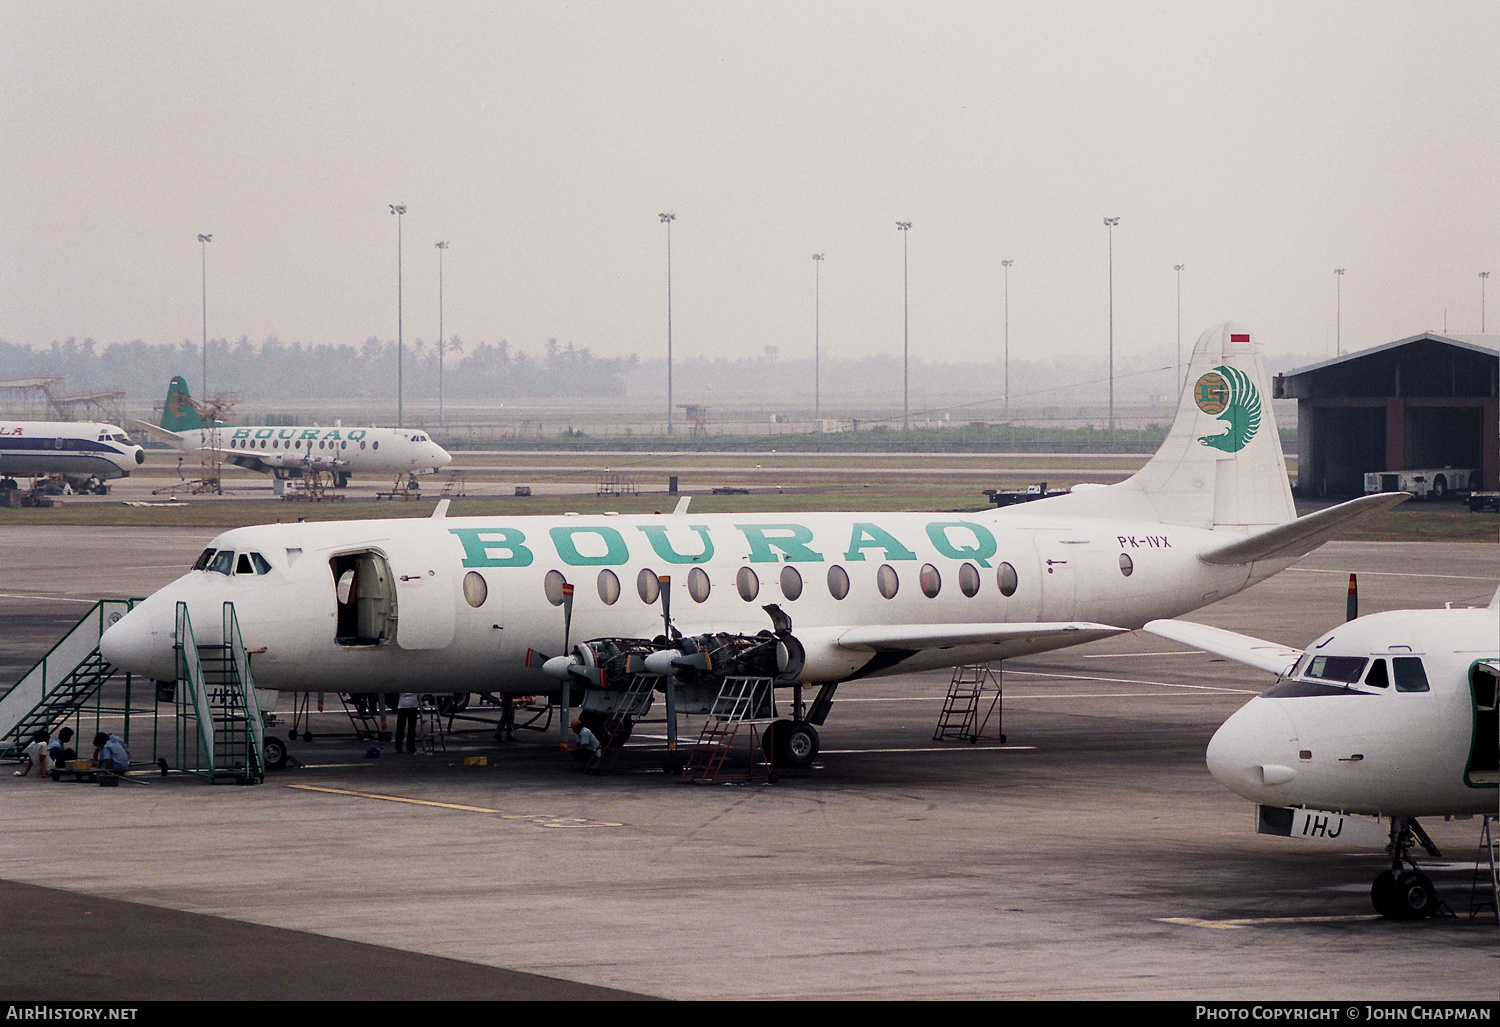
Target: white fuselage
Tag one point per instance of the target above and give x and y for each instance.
(298, 449)
(1384, 715)
(373, 605)
(74, 448)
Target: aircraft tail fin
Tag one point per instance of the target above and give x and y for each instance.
(178, 414)
(1221, 465)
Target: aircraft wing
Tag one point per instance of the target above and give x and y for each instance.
(1302, 536)
(908, 637)
(1269, 656)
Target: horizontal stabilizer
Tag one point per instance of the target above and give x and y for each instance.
(897, 637)
(158, 433)
(1300, 537)
(1268, 656)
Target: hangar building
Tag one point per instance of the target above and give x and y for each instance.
(1427, 401)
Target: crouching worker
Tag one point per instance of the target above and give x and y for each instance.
(36, 756)
(110, 756)
(61, 750)
(587, 749)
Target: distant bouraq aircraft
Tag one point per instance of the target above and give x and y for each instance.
(808, 600)
(87, 453)
(1390, 715)
(291, 452)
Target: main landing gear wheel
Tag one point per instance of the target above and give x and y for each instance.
(791, 743)
(275, 753)
(1408, 895)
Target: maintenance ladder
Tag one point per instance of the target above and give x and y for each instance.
(1484, 894)
(961, 717)
(739, 699)
(617, 727)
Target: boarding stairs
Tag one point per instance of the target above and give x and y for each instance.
(618, 725)
(966, 716)
(740, 698)
(219, 727)
(62, 682)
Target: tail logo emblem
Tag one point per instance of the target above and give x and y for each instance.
(1226, 393)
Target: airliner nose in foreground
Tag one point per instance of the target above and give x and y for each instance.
(1255, 751)
(141, 643)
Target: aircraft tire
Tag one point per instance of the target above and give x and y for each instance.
(1414, 897)
(1382, 894)
(275, 753)
(452, 702)
(1440, 487)
(597, 721)
(791, 743)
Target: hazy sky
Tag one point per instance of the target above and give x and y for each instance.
(1260, 144)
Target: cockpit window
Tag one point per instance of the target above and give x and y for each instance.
(1409, 674)
(1337, 668)
(1377, 677)
(223, 562)
(261, 564)
(203, 558)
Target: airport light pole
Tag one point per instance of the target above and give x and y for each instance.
(1006, 264)
(203, 241)
(1338, 312)
(667, 220)
(1178, 268)
(817, 348)
(904, 227)
(399, 209)
(441, 246)
(1110, 224)
(1483, 277)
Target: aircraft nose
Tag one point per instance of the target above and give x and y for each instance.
(1254, 752)
(141, 642)
(443, 458)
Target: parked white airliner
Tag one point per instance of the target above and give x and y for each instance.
(1390, 715)
(289, 452)
(79, 450)
(465, 604)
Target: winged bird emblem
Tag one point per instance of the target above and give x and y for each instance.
(1227, 393)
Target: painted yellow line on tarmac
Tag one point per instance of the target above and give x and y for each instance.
(1233, 925)
(540, 819)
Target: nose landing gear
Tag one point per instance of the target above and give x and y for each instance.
(1403, 892)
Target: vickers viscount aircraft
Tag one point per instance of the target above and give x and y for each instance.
(78, 450)
(1390, 715)
(290, 452)
(810, 600)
